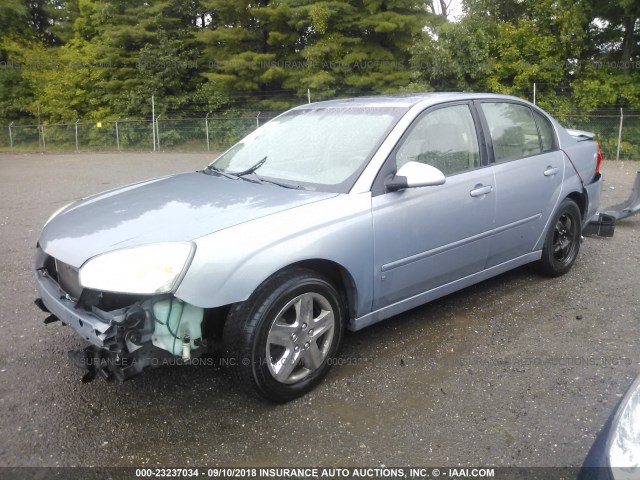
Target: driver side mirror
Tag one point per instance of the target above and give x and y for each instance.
(415, 174)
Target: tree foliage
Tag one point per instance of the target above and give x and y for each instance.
(582, 55)
(101, 59)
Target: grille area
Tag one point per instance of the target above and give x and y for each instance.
(68, 278)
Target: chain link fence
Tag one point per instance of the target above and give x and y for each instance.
(213, 133)
(618, 134)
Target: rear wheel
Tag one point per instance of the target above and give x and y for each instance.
(281, 340)
(562, 242)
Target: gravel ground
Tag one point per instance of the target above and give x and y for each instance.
(518, 370)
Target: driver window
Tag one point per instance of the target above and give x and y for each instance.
(444, 138)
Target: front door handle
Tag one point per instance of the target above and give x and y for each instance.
(550, 171)
(480, 190)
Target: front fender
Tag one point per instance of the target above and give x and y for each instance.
(230, 264)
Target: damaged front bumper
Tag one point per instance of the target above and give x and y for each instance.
(126, 333)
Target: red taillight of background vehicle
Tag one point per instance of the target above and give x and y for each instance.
(599, 159)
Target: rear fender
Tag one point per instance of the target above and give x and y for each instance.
(592, 192)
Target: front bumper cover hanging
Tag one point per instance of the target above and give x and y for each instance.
(603, 224)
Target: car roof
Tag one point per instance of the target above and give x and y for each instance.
(404, 100)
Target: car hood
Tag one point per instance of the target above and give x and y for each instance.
(180, 207)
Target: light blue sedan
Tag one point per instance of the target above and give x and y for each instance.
(334, 215)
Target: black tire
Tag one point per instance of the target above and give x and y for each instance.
(279, 309)
(562, 242)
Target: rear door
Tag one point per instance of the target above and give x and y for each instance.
(427, 237)
(529, 170)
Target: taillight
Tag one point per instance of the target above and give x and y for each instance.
(599, 161)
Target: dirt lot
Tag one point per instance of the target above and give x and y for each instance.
(519, 370)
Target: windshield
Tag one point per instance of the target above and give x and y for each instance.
(320, 149)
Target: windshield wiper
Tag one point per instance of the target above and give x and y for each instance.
(250, 169)
(229, 175)
(213, 169)
(280, 184)
(256, 178)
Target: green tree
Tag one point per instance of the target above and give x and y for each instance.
(506, 46)
(330, 47)
(361, 46)
(117, 54)
(13, 15)
(101, 59)
(242, 44)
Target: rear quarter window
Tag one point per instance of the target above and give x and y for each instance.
(547, 134)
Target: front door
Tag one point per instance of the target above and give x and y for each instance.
(430, 236)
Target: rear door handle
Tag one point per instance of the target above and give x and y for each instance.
(480, 190)
(550, 171)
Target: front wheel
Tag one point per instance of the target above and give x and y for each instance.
(562, 242)
(281, 340)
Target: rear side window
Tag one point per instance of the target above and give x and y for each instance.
(513, 131)
(547, 134)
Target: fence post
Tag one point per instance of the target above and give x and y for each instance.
(258, 120)
(44, 144)
(153, 121)
(534, 93)
(206, 127)
(117, 136)
(77, 149)
(619, 135)
(11, 137)
(40, 136)
(158, 131)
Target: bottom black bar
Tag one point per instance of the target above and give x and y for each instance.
(328, 473)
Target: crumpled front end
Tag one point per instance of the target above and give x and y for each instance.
(126, 333)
